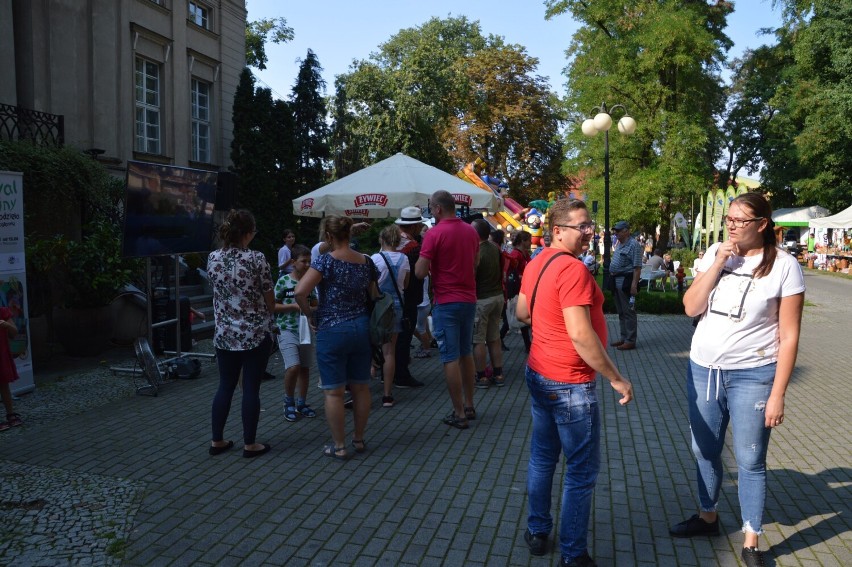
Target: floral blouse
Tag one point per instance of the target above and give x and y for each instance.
(239, 277)
(342, 290)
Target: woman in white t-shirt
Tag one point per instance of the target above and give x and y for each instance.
(749, 294)
(394, 271)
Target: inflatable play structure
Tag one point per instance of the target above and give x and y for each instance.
(511, 216)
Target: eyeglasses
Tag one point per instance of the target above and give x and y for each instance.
(739, 223)
(585, 227)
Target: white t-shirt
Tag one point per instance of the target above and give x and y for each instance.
(396, 259)
(739, 329)
(283, 258)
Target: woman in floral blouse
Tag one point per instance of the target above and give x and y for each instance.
(243, 303)
(343, 349)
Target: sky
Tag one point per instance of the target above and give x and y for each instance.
(339, 31)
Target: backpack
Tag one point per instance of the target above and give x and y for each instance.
(382, 313)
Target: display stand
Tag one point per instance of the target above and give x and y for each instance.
(152, 385)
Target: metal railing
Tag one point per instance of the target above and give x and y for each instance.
(40, 128)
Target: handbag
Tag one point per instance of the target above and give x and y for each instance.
(304, 330)
(404, 322)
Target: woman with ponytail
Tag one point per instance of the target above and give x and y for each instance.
(749, 294)
(243, 302)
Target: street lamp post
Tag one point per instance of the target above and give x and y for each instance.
(602, 122)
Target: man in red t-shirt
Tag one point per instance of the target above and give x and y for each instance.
(564, 305)
(449, 255)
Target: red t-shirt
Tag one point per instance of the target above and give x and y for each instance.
(566, 283)
(451, 247)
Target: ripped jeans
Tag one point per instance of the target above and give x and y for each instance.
(717, 397)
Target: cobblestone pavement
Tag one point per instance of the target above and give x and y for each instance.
(100, 476)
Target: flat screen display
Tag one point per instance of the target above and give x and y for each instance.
(168, 210)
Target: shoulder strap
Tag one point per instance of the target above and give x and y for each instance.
(393, 274)
(541, 273)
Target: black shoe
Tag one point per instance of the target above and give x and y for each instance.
(349, 403)
(409, 383)
(695, 526)
(752, 557)
(584, 560)
(536, 542)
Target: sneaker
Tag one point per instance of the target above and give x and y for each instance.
(410, 383)
(584, 560)
(387, 401)
(752, 557)
(536, 542)
(695, 526)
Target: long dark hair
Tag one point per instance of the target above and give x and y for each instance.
(760, 208)
(236, 226)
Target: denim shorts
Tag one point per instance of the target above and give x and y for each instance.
(453, 324)
(344, 353)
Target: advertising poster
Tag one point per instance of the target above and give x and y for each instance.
(718, 213)
(13, 276)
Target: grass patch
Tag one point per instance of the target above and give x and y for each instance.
(117, 548)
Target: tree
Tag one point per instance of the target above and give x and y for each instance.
(506, 115)
(661, 59)
(257, 34)
(310, 128)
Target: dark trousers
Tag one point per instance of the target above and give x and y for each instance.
(403, 346)
(253, 365)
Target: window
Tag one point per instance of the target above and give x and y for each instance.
(147, 106)
(199, 15)
(200, 104)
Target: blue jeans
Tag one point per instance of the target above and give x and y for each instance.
(344, 353)
(565, 418)
(453, 323)
(717, 397)
(253, 364)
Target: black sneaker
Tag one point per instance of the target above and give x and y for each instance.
(536, 542)
(695, 526)
(752, 557)
(584, 560)
(410, 383)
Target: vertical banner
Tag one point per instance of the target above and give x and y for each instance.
(13, 276)
(718, 213)
(698, 226)
(682, 228)
(709, 224)
(730, 195)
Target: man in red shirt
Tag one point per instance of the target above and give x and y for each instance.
(449, 255)
(564, 305)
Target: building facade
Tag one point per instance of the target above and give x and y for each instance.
(146, 80)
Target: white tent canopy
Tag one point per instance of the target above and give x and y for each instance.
(843, 219)
(385, 188)
(799, 216)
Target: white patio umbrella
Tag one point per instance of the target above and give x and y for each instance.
(385, 188)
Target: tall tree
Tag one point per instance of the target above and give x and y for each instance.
(661, 59)
(310, 127)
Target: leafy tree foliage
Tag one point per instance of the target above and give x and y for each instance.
(660, 59)
(443, 93)
(258, 33)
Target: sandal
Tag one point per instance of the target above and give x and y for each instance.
(14, 420)
(469, 413)
(387, 402)
(483, 382)
(306, 411)
(333, 452)
(498, 381)
(453, 421)
(359, 446)
(290, 413)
